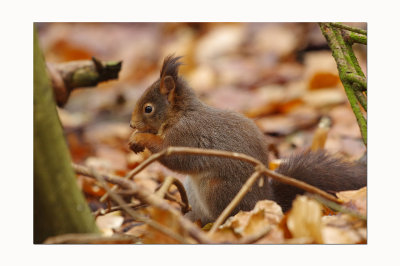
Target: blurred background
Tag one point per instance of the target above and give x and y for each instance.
(282, 75)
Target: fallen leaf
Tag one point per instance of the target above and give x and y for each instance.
(343, 229)
(323, 80)
(106, 223)
(164, 217)
(265, 214)
(324, 97)
(304, 219)
(355, 199)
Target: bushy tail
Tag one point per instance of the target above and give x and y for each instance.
(321, 170)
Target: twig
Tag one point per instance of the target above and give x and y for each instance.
(185, 150)
(345, 27)
(339, 208)
(165, 186)
(91, 239)
(161, 228)
(145, 163)
(102, 211)
(77, 74)
(236, 200)
(259, 166)
(254, 238)
(357, 38)
(242, 157)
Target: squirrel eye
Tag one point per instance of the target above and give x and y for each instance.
(148, 109)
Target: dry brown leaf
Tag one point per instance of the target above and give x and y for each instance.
(73, 120)
(203, 78)
(115, 157)
(320, 61)
(265, 214)
(274, 164)
(300, 118)
(111, 133)
(164, 217)
(137, 230)
(275, 39)
(106, 223)
(225, 235)
(343, 229)
(323, 80)
(219, 41)
(324, 97)
(304, 219)
(355, 199)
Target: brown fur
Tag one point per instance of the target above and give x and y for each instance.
(179, 118)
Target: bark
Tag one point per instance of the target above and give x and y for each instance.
(59, 205)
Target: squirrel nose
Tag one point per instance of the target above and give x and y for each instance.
(132, 125)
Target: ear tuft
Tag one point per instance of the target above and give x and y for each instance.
(167, 85)
(170, 66)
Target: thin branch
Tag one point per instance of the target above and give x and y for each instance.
(259, 167)
(339, 208)
(102, 211)
(357, 38)
(91, 239)
(237, 156)
(345, 27)
(145, 163)
(165, 186)
(258, 164)
(257, 236)
(77, 74)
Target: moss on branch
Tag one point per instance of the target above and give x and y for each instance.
(350, 72)
(78, 74)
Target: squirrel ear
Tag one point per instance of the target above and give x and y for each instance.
(167, 87)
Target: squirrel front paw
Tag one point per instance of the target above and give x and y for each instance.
(136, 148)
(140, 140)
(134, 143)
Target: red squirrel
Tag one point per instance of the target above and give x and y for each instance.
(170, 114)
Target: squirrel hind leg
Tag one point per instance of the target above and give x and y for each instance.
(199, 210)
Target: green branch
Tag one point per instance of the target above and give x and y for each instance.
(362, 81)
(357, 38)
(66, 77)
(344, 27)
(350, 72)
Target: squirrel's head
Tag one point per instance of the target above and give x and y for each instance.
(155, 105)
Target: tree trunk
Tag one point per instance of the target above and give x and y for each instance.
(59, 206)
